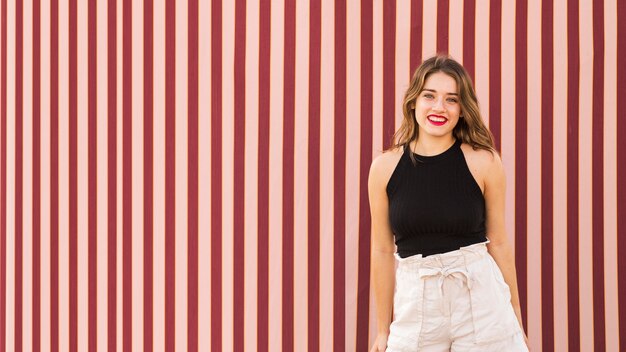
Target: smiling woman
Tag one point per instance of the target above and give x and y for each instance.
(437, 200)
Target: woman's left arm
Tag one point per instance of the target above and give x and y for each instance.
(499, 246)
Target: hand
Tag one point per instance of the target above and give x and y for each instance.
(380, 344)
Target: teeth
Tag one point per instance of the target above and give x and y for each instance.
(437, 119)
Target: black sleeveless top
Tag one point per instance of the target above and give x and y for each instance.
(435, 204)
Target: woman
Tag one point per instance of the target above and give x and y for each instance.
(439, 193)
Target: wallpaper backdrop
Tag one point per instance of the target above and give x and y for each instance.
(193, 174)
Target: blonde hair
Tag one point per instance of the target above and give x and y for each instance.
(469, 129)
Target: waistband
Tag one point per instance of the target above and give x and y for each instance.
(458, 258)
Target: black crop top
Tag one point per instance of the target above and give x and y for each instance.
(435, 205)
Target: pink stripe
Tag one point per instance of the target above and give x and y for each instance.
(469, 37)
(301, 87)
(101, 160)
(45, 178)
(27, 179)
(611, 295)
(159, 246)
(483, 67)
(222, 203)
(585, 167)
(137, 212)
(456, 26)
(429, 30)
(216, 176)
(82, 178)
(204, 176)
(621, 169)
(389, 72)
(353, 69)
(3, 175)
(73, 175)
(181, 179)
(19, 116)
(508, 93)
(326, 156)
(535, 99)
(276, 232)
(560, 298)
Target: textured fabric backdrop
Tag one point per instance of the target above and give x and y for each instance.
(193, 174)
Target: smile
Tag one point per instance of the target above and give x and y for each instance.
(437, 120)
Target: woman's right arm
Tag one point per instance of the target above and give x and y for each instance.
(383, 249)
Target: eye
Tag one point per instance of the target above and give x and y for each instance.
(428, 96)
(452, 100)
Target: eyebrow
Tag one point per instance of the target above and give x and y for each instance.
(434, 91)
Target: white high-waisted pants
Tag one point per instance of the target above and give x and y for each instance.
(455, 301)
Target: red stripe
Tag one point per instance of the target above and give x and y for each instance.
(547, 227)
(288, 174)
(92, 176)
(192, 176)
(73, 174)
(216, 175)
(443, 9)
(495, 70)
(363, 303)
(598, 177)
(339, 184)
(573, 70)
(263, 177)
(147, 175)
(3, 176)
(54, 169)
(521, 151)
(313, 223)
(36, 322)
(170, 174)
(417, 8)
(112, 174)
(389, 71)
(127, 176)
(469, 36)
(19, 67)
(239, 177)
(621, 166)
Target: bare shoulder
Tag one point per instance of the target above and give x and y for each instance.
(484, 165)
(383, 166)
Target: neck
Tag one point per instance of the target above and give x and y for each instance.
(429, 145)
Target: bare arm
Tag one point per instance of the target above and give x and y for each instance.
(499, 246)
(383, 248)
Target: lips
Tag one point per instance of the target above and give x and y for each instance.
(437, 120)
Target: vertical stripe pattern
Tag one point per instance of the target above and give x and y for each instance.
(224, 181)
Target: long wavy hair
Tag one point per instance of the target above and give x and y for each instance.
(469, 129)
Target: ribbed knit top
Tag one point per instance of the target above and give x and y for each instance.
(435, 204)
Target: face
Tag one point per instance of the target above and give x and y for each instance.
(438, 107)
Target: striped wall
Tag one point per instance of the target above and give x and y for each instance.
(191, 175)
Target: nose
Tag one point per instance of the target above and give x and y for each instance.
(438, 105)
